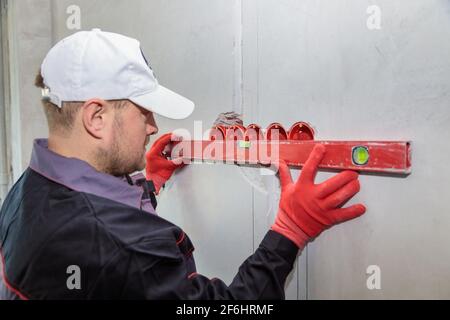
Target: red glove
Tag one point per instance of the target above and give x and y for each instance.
(159, 169)
(307, 209)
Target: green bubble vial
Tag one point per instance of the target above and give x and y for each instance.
(360, 155)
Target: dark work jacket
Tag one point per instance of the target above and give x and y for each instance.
(60, 242)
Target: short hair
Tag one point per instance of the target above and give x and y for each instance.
(62, 120)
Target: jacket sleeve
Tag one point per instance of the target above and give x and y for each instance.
(261, 276)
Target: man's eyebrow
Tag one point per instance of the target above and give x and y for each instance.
(144, 111)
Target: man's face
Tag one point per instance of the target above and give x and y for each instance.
(130, 133)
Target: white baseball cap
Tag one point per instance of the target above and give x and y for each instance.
(110, 66)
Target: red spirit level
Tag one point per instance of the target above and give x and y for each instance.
(252, 145)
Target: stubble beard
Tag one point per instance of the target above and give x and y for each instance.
(118, 160)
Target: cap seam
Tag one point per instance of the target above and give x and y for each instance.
(82, 55)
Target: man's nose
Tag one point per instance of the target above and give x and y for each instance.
(152, 128)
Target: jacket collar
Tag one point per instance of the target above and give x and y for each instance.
(80, 176)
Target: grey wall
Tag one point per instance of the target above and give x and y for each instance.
(290, 60)
(29, 40)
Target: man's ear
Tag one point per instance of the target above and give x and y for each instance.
(95, 117)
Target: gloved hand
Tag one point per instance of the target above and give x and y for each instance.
(159, 169)
(306, 209)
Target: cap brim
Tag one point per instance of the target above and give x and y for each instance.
(166, 103)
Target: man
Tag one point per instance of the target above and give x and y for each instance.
(77, 226)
